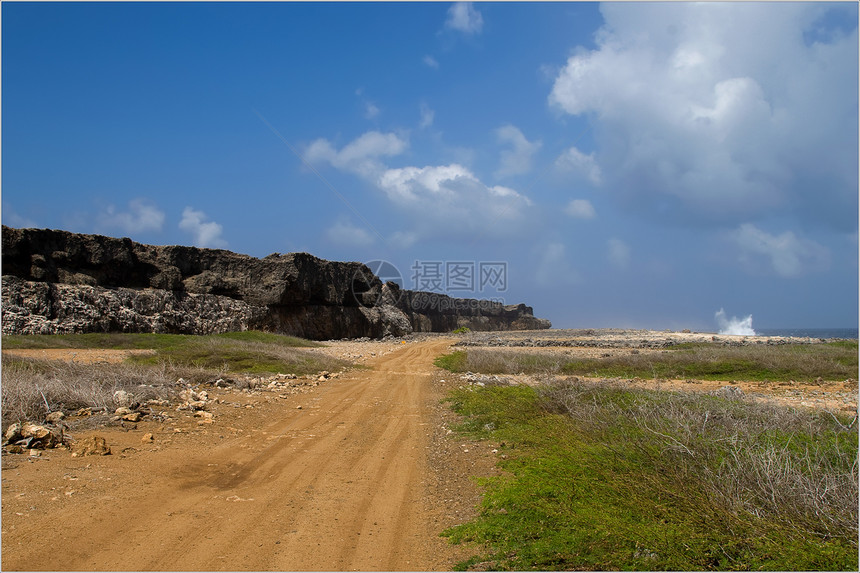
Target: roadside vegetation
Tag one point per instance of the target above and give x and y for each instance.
(704, 361)
(599, 476)
(31, 388)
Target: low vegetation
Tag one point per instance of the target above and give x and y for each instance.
(31, 388)
(799, 362)
(118, 340)
(606, 477)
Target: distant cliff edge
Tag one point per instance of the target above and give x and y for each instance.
(60, 282)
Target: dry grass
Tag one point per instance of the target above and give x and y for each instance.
(32, 388)
(772, 462)
(800, 362)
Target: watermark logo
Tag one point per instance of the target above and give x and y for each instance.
(457, 279)
(363, 291)
(454, 276)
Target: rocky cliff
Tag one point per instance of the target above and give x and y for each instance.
(57, 282)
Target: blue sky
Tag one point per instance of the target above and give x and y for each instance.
(633, 164)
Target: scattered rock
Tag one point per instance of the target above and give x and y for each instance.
(731, 392)
(122, 411)
(132, 417)
(147, 438)
(92, 446)
(13, 433)
(123, 399)
(35, 436)
(55, 417)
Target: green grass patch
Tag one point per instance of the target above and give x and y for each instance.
(455, 361)
(612, 478)
(704, 361)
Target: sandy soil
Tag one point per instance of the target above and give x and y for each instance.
(81, 356)
(361, 473)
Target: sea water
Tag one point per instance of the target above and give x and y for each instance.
(809, 332)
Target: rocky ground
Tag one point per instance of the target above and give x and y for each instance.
(832, 395)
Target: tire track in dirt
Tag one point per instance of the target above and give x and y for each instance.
(336, 486)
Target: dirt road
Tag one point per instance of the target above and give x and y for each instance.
(340, 484)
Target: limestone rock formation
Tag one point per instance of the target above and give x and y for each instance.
(59, 282)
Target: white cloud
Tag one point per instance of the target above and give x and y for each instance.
(205, 233)
(141, 216)
(723, 111)
(518, 160)
(343, 233)
(785, 254)
(463, 17)
(578, 162)
(442, 200)
(427, 116)
(447, 199)
(431, 62)
(370, 110)
(619, 253)
(441, 183)
(553, 268)
(580, 209)
(360, 156)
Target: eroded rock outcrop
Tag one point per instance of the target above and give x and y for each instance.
(59, 282)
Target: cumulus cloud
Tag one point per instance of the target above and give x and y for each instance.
(452, 202)
(580, 209)
(720, 111)
(205, 233)
(344, 233)
(141, 216)
(445, 200)
(360, 156)
(452, 197)
(463, 17)
(518, 159)
(573, 160)
(619, 253)
(785, 254)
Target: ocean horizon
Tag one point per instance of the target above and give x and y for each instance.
(850, 333)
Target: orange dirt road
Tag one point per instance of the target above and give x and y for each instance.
(340, 484)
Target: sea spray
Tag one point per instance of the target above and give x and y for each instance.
(734, 325)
